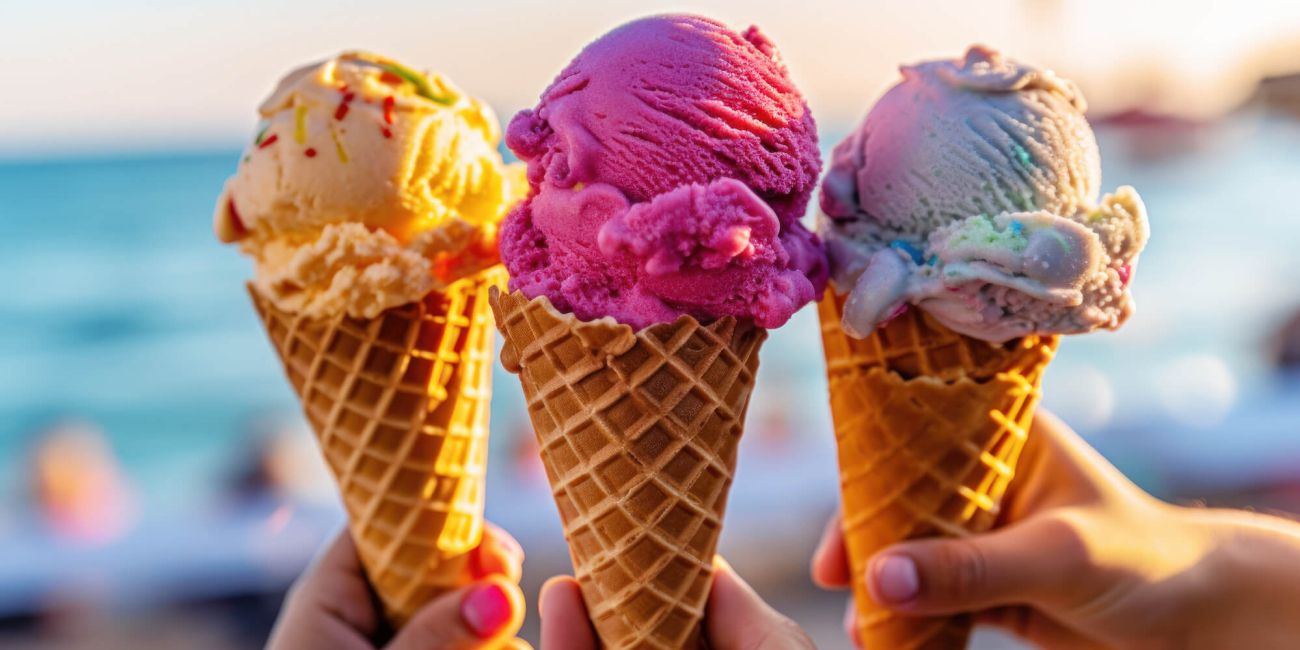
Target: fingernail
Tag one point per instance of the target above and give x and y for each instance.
(894, 579)
(486, 609)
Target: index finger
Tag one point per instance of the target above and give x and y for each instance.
(830, 562)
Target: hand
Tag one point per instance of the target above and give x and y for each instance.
(1082, 558)
(332, 605)
(735, 618)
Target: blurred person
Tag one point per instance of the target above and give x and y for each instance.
(333, 606)
(735, 618)
(1083, 558)
(77, 485)
(278, 463)
(1286, 346)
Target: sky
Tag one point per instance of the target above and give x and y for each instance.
(91, 76)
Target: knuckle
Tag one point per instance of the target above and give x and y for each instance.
(1064, 537)
(782, 634)
(964, 570)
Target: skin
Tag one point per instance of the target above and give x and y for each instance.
(1082, 558)
(332, 605)
(736, 618)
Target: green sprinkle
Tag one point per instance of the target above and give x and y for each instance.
(1022, 155)
(261, 135)
(421, 83)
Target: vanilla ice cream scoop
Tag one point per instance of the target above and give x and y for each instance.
(368, 185)
(971, 190)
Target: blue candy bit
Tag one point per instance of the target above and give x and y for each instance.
(934, 259)
(912, 251)
(1017, 228)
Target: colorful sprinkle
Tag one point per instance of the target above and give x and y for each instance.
(269, 141)
(389, 102)
(388, 133)
(300, 124)
(338, 147)
(1022, 155)
(311, 153)
(342, 111)
(912, 251)
(1125, 274)
(933, 261)
(422, 86)
(261, 135)
(1017, 228)
(389, 78)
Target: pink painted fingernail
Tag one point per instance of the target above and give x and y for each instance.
(894, 579)
(486, 609)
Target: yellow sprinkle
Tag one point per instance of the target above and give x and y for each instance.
(338, 147)
(577, 187)
(300, 124)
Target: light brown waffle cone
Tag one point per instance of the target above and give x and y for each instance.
(399, 404)
(929, 425)
(638, 432)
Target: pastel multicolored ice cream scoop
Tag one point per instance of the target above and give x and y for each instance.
(669, 165)
(971, 191)
(368, 185)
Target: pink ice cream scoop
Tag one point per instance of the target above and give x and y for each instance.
(668, 166)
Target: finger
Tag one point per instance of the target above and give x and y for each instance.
(484, 614)
(850, 623)
(336, 584)
(1033, 563)
(738, 619)
(830, 562)
(564, 616)
(331, 602)
(498, 554)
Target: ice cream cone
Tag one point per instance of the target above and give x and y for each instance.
(638, 432)
(399, 404)
(929, 426)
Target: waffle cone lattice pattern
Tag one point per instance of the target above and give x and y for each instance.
(638, 433)
(929, 425)
(399, 404)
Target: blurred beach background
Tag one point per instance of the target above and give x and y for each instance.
(158, 487)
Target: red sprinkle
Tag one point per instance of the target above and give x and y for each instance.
(388, 133)
(311, 153)
(235, 222)
(269, 141)
(342, 111)
(389, 103)
(1125, 274)
(389, 78)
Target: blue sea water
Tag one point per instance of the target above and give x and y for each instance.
(119, 307)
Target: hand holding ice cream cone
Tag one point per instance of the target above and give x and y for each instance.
(668, 165)
(965, 233)
(369, 202)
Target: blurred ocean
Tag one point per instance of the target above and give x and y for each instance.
(122, 309)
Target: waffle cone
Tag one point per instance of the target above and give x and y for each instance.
(929, 425)
(399, 405)
(638, 432)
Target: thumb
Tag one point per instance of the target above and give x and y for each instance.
(738, 619)
(484, 614)
(1032, 563)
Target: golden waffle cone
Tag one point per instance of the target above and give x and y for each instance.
(638, 433)
(929, 426)
(399, 404)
